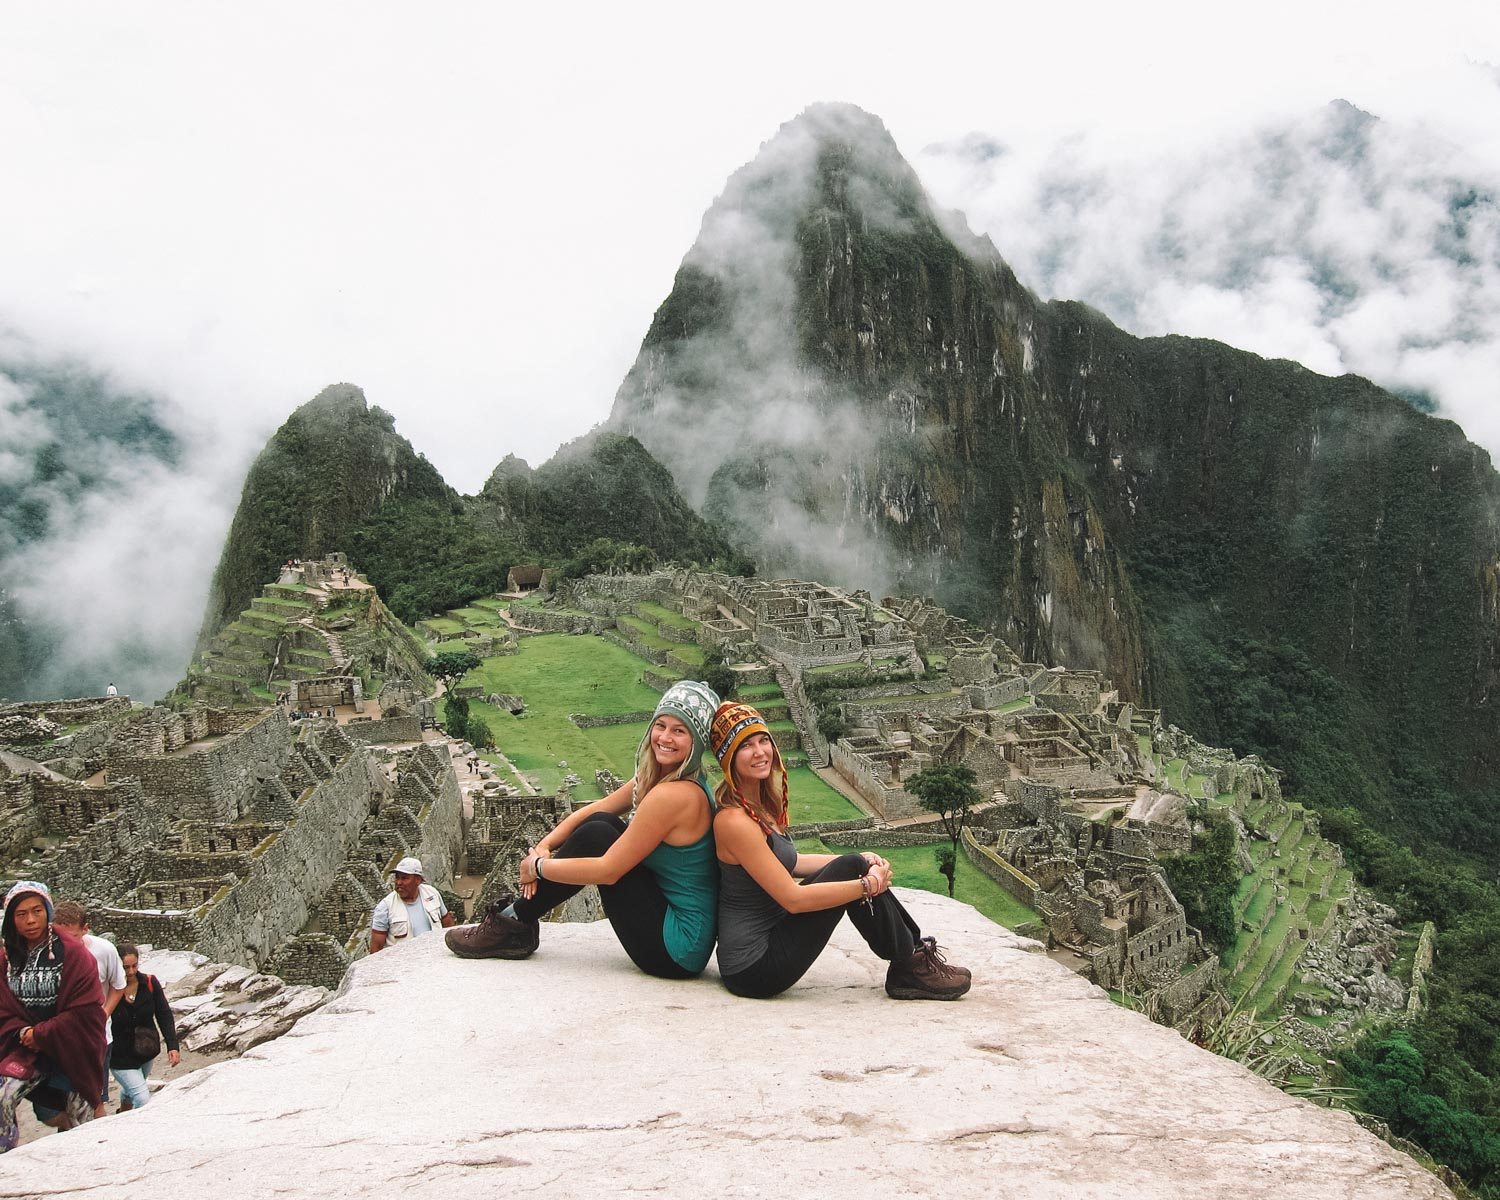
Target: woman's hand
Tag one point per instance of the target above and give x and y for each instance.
(173, 1057)
(527, 871)
(879, 876)
(875, 860)
(28, 1037)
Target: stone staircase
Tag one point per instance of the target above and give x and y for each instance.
(803, 715)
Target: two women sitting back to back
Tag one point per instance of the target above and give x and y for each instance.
(678, 869)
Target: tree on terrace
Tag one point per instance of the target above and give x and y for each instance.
(950, 790)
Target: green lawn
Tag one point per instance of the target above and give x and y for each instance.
(813, 800)
(665, 616)
(480, 617)
(914, 700)
(916, 867)
(558, 674)
(760, 692)
(643, 632)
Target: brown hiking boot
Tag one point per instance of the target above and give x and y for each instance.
(926, 976)
(496, 935)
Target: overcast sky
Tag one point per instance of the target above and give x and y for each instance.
(472, 210)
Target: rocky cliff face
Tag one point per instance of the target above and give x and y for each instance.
(849, 382)
(863, 391)
(431, 1076)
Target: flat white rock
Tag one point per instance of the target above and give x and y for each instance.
(572, 1074)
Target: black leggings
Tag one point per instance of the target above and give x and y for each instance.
(800, 937)
(634, 904)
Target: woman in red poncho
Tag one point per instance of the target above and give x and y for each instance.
(51, 1008)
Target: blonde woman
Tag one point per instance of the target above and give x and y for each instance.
(656, 874)
(777, 907)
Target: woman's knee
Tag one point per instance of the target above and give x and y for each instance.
(846, 867)
(593, 837)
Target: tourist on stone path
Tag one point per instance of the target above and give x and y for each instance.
(51, 1017)
(778, 908)
(72, 917)
(413, 909)
(656, 875)
(142, 1021)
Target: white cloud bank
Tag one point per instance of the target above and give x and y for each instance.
(1343, 241)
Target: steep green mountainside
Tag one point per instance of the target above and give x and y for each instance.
(336, 476)
(332, 464)
(68, 439)
(606, 484)
(1317, 563)
(858, 388)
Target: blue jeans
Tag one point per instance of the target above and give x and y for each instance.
(132, 1081)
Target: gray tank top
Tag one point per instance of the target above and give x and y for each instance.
(747, 914)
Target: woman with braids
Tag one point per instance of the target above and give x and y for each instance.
(656, 875)
(778, 908)
(51, 1013)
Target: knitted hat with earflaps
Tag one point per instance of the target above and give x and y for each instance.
(733, 725)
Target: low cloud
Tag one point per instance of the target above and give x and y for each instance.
(106, 552)
(1343, 241)
(755, 436)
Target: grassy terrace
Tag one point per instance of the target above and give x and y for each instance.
(916, 867)
(558, 674)
(644, 632)
(761, 692)
(473, 615)
(665, 616)
(914, 700)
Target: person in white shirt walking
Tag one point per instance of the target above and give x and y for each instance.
(74, 918)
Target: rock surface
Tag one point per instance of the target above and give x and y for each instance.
(574, 1074)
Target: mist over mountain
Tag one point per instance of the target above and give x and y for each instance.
(861, 390)
(105, 518)
(1344, 241)
(337, 476)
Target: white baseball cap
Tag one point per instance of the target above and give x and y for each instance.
(409, 866)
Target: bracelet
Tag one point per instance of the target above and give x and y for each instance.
(865, 886)
(536, 867)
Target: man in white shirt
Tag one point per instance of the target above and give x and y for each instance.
(414, 908)
(74, 918)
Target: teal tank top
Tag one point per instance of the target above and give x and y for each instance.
(689, 879)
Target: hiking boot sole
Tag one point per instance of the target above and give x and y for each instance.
(920, 993)
(464, 951)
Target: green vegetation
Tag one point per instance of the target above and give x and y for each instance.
(558, 674)
(452, 664)
(1204, 881)
(914, 867)
(950, 791)
(718, 675)
(812, 800)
